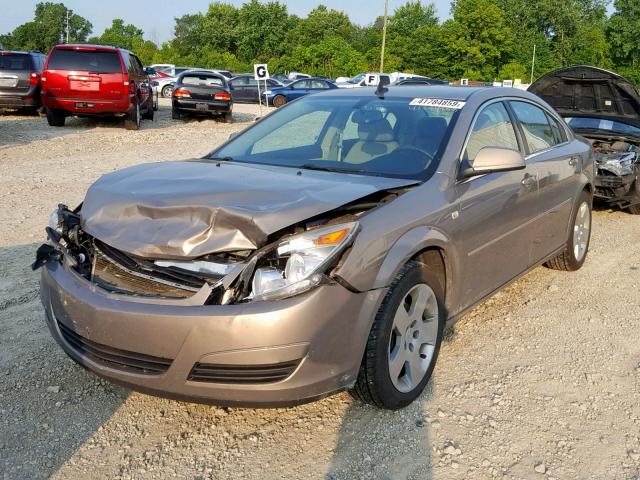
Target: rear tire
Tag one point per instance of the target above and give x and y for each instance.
(175, 114)
(634, 209)
(167, 90)
(132, 122)
(227, 117)
(279, 101)
(577, 247)
(55, 118)
(398, 343)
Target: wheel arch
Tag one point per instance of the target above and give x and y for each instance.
(427, 245)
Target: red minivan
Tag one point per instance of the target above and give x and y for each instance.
(96, 80)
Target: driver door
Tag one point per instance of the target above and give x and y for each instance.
(497, 211)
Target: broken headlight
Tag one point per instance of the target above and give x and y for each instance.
(299, 262)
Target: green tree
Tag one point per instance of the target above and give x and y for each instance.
(119, 34)
(624, 34)
(321, 23)
(411, 31)
(48, 28)
(476, 41)
(217, 29)
(261, 30)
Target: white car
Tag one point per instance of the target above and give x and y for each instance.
(369, 79)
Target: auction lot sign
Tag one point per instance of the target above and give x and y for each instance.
(260, 71)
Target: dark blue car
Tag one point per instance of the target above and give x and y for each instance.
(279, 96)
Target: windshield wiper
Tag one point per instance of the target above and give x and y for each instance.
(311, 166)
(222, 159)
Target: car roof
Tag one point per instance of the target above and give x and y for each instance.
(463, 94)
(431, 91)
(89, 46)
(202, 72)
(20, 52)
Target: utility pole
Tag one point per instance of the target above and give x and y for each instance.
(533, 63)
(67, 25)
(384, 36)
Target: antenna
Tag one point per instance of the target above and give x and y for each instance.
(384, 36)
(67, 25)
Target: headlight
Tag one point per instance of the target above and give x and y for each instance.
(305, 258)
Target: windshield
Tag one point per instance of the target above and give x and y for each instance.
(588, 123)
(368, 136)
(85, 61)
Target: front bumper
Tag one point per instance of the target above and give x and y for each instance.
(323, 331)
(621, 190)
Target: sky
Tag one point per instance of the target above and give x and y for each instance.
(156, 17)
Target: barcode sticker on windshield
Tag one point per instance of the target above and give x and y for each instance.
(437, 102)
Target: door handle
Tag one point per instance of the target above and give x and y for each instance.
(529, 181)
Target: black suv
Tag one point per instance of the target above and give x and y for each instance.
(20, 79)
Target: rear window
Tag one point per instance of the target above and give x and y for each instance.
(15, 61)
(82, 60)
(202, 81)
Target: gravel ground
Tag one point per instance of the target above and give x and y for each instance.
(540, 382)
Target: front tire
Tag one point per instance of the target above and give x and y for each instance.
(575, 252)
(55, 118)
(279, 101)
(404, 341)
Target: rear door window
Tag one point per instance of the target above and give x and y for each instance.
(85, 61)
(492, 128)
(538, 132)
(15, 61)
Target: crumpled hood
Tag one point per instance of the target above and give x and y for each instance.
(585, 91)
(191, 208)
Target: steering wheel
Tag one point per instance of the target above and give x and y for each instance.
(411, 149)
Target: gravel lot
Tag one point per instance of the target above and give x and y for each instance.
(542, 381)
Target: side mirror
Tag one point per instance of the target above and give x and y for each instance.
(154, 83)
(494, 159)
(233, 135)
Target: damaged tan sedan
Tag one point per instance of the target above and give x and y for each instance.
(323, 249)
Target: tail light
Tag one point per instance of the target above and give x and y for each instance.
(131, 85)
(34, 78)
(182, 93)
(222, 96)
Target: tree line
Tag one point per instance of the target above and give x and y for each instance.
(482, 39)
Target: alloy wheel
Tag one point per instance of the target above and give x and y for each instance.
(413, 337)
(581, 229)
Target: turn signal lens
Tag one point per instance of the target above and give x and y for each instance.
(331, 238)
